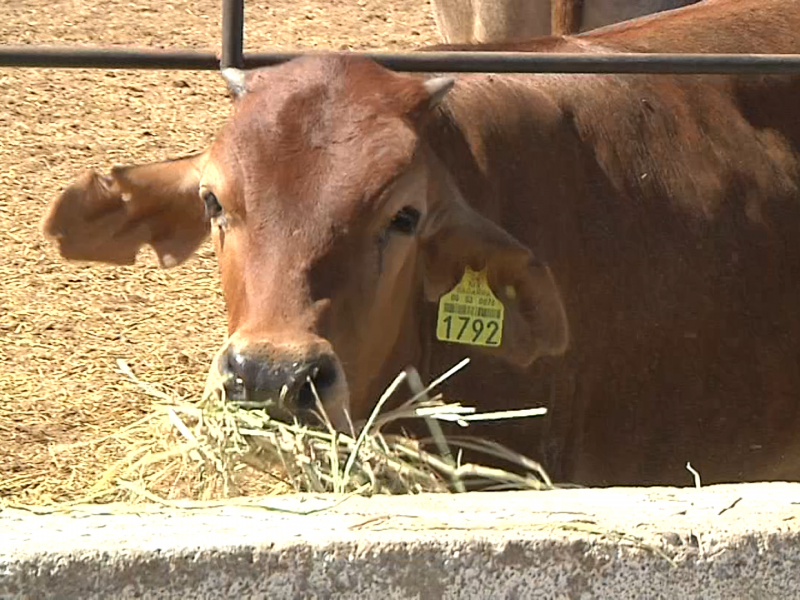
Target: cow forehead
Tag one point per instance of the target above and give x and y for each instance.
(319, 136)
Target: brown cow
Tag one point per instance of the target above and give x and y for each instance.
(640, 232)
(493, 21)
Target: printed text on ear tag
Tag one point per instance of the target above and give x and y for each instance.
(470, 313)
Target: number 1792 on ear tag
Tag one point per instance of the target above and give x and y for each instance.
(470, 313)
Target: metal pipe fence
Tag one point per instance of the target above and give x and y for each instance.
(233, 55)
(465, 62)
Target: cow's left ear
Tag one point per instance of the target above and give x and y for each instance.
(108, 218)
(456, 237)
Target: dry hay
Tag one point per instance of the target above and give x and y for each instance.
(63, 327)
(214, 450)
(321, 459)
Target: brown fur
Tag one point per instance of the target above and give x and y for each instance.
(658, 213)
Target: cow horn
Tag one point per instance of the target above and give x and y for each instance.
(236, 80)
(437, 87)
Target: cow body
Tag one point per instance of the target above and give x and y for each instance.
(640, 231)
(689, 188)
(497, 21)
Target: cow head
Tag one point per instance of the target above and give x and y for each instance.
(333, 223)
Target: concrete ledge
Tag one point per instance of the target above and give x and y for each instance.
(727, 542)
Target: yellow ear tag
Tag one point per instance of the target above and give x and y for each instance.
(470, 313)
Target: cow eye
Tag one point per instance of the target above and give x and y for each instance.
(213, 207)
(405, 221)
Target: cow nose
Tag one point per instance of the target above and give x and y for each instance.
(257, 382)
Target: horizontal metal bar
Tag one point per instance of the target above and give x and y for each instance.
(491, 62)
(106, 58)
(536, 62)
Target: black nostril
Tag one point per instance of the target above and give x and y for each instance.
(240, 366)
(250, 382)
(326, 373)
(322, 374)
(237, 369)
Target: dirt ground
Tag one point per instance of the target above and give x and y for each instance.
(63, 326)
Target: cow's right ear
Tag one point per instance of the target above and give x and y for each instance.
(454, 236)
(108, 218)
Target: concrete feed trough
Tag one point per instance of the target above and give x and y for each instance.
(726, 542)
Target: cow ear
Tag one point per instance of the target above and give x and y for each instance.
(108, 218)
(535, 322)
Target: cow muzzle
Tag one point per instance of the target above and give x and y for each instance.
(287, 384)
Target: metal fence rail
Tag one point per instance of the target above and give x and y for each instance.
(105, 58)
(481, 61)
(495, 62)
